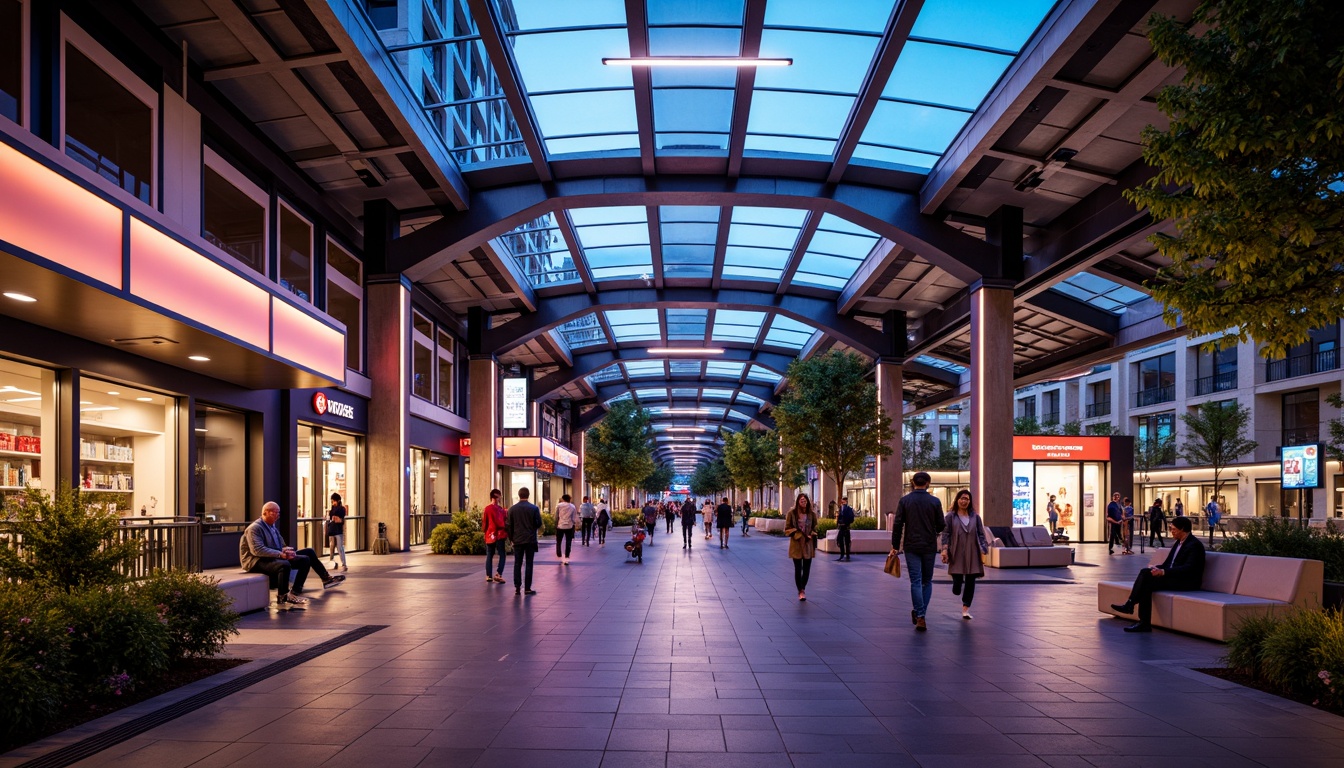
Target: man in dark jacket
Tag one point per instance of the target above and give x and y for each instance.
(919, 516)
(843, 519)
(1182, 570)
(521, 526)
(687, 522)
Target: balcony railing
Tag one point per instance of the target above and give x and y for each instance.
(1050, 419)
(1095, 410)
(1219, 382)
(1302, 365)
(1155, 395)
(1302, 436)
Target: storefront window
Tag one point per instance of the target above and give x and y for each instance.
(27, 416)
(344, 291)
(296, 254)
(234, 217)
(128, 448)
(220, 468)
(329, 462)
(422, 356)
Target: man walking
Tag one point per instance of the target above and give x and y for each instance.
(1115, 518)
(1183, 569)
(919, 516)
(587, 513)
(566, 516)
(687, 522)
(844, 518)
(521, 525)
(650, 514)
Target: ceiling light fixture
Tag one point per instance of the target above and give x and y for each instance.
(99, 408)
(696, 61)
(199, 358)
(685, 351)
(16, 296)
(688, 429)
(145, 399)
(114, 393)
(23, 400)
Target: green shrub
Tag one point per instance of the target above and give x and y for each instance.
(1329, 658)
(463, 536)
(865, 524)
(34, 654)
(771, 514)
(547, 524)
(1244, 649)
(623, 518)
(441, 539)
(470, 544)
(114, 631)
(1288, 656)
(196, 610)
(824, 525)
(68, 542)
(1279, 537)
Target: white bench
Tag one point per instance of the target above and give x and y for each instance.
(250, 591)
(1035, 550)
(1234, 587)
(767, 524)
(863, 542)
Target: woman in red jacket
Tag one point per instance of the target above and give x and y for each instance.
(495, 540)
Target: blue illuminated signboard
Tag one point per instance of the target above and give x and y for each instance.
(1300, 467)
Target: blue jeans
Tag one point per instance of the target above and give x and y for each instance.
(921, 580)
(490, 550)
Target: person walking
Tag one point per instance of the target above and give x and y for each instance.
(495, 536)
(566, 519)
(844, 518)
(522, 524)
(724, 522)
(963, 543)
(687, 522)
(1115, 517)
(1128, 529)
(669, 514)
(1178, 509)
(800, 525)
(1215, 513)
(603, 522)
(587, 512)
(707, 515)
(336, 530)
(915, 528)
(650, 514)
(1052, 514)
(1157, 522)
(746, 517)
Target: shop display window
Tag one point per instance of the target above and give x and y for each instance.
(128, 448)
(422, 356)
(109, 120)
(328, 461)
(234, 214)
(27, 416)
(444, 383)
(345, 300)
(296, 254)
(11, 60)
(220, 467)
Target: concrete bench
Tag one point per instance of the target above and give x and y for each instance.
(1034, 549)
(250, 591)
(767, 524)
(864, 542)
(1234, 588)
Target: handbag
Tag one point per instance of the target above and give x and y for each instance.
(893, 565)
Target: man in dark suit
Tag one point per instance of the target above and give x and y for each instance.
(521, 525)
(844, 518)
(1183, 570)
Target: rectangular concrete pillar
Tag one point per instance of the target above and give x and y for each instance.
(826, 493)
(891, 399)
(992, 403)
(484, 416)
(389, 458)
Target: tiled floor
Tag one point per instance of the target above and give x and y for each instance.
(706, 658)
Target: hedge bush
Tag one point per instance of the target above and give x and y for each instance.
(34, 656)
(463, 536)
(623, 518)
(865, 524)
(1279, 537)
(115, 631)
(1301, 654)
(196, 611)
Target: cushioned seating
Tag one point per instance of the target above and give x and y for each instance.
(1027, 547)
(249, 591)
(862, 542)
(1234, 587)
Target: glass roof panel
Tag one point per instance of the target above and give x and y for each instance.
(944, 364)
(837, 249)
(651, 394)
(944, 74)
(620, 397)
(684, 392)
(699, 11)
(752, 273)
(697, 41)
(825, 281)
(914, 126)
(740, 416)
(692, 110)
(988, 23)
(612, 143)
(634, 325)
(684, 367)
(722, 368)
(744, 397)
(1100, 292)
(717, 394)
(548, 14)
(737, 325)
(611, 214)
(540, 251)
(787, 332)
(610, 373)
(686, 324)
(923, 160)
(635, 368)
(757, 373)
(822, 61)
(583, 331)
(865, 15)
(591, 113)
(780, 217)
(581, 50)
(798, 115)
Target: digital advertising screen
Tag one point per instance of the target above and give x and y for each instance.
(1300, 467)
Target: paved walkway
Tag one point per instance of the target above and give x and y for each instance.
(707, 658)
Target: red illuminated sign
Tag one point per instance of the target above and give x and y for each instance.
(1057, 448)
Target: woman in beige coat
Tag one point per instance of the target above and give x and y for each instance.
(800, 525)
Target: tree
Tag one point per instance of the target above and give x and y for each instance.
(618, 451)
(1249, 170)
(1216, 436)
(1028, 425)
(1071, 428)
(658, 480)
(1152, 452)
(710, 479)
(1334, 446)
(65, 541)
(752, 458)
(916, 445)
(829, 416)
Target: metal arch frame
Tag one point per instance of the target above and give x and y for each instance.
(557, 310)
(607, 391)
(889, 213)
(587, 363)
(753, 413)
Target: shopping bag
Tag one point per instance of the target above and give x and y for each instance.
(893, 565)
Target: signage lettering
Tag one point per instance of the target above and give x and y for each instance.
(324, 405)
(1044, 448)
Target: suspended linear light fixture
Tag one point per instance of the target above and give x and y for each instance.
(696, 61)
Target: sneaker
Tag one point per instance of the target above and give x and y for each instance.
(333, 582)
(529, 591)
(489, 579)
(966, 613)
(921, 625)
(499, 578)
(292, 599)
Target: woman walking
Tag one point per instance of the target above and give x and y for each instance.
(707, 515)
(336, 530)
(962, 543)
(566, 518)
(800, 525)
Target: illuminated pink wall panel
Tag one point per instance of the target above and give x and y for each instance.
(42, 212)
(173, 276)
(305, 340)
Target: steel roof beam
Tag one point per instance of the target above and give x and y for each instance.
(588, 363)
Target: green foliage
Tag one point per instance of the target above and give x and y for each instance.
(830, 416)
(472, 543)
(547, 526)
(1028, 425)
(618, 451)
(116, 630)
(1277, 537)
(825, 524)
(441, 539)
(658, 481)
(623, 517)
(1249, 170)
(463, 536)
(1071, 428)
(34, 653)
(1216, 436)
(1243, 648)
(711, 479)
(68, 542)
(1152, 453)
(752, 458)
(1291, 656)
(1334, 444)
(917, 450)
(195, 610)
(1102, 428)
(864, 524)
(772, 514)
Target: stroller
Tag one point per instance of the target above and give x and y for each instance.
(635, 546)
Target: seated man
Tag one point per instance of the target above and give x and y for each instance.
(1182, 570)
(263, 550)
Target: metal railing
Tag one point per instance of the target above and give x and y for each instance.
(312, 533)
(1218, 382)
(1099, 409)
(166, 543)
(1155, 395)
(1302, 365)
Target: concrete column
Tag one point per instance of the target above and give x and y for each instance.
(580, 482)
(890, 399)
(992, 402)
(484, 396)
(388, 477)
(826, 493)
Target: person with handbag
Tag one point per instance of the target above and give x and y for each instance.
(963, 546)
(915, 528)
(800, 525)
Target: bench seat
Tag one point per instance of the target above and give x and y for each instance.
(250, 591)
(1035, 550)
(863, 542)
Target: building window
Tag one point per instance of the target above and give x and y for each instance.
(345, 291)
(109, 120)
(1301, 417)
(296, 254)
(220, 472)
(1026, 408)
(383, 13)
(128, 449)
(1050, 408)
(1157, 380)
(445, 370)
(1155, 438)
(11, 60)
(1100, 393)
(1216, 371)
(1319, 353)
(234, 213)
(422, 356)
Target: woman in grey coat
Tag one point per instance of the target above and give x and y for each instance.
(962, 543)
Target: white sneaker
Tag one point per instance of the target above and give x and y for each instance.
(292, 599)
(966, 615)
